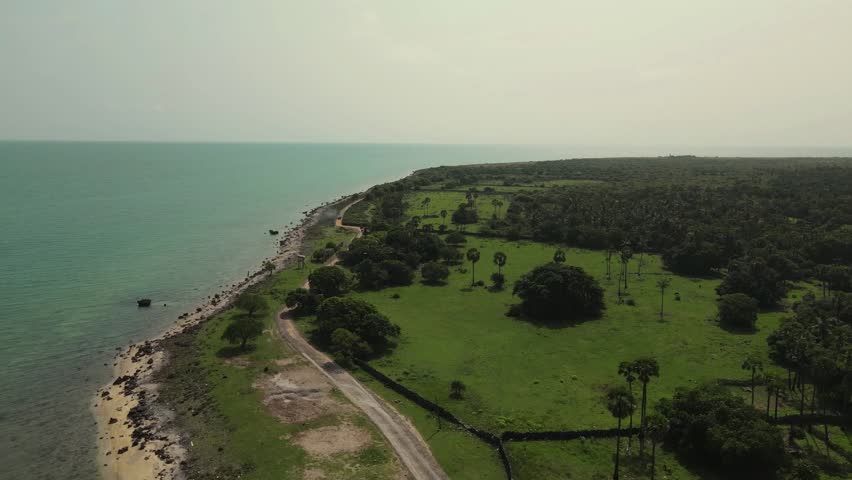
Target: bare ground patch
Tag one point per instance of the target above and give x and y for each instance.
(299, 394)
(326, 441)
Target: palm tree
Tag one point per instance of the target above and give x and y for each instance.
(443, 217)
(495, 203)
(500, 261)
(559, 256)
(774, 386)
(626, 254)
(645, 368)
(778, 385)
(609, 252)
(473, 257)
(754, 364)
(425, 204)
(658, 427)
(627, 370)
(499, 206)
(620, 403)
(457, 389)
(663, 284)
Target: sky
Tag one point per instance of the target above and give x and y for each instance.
(598, 72)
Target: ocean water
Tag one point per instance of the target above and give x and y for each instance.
(87, 228)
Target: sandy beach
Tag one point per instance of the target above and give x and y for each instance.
(132, 444)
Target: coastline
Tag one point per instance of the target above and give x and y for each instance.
(132, 443)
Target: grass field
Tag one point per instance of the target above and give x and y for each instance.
(222, 413)
(526, 376)
(450, 201)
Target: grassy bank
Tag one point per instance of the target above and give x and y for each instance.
(211, 388)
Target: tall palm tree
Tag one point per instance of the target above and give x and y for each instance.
(499, 206)
(663, 284)
(645, 368)
(473, 257)
(754, 364)
(443, 217)
(425, 203)
(628, 371)
(457, 388)
(559, 256)
(500, 261)
(494, 203)
(625, 255)
(658, 427)
(620, 403)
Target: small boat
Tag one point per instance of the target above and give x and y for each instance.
(145, 302)
(273, 232)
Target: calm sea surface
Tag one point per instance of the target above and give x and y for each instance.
(86, 228)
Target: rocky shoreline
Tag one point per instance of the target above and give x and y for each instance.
(132, 440)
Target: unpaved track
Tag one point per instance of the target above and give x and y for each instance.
(403, 437)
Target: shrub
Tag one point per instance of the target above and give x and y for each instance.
(434, 272)
(328, 281)
(358, 317)
(303, 302)
(559, 291)
(323, 254)
(515, 310)
(398, 273)
(465, 215)
(346, 345)
(456, 238)
(737, 311)
(498, 279)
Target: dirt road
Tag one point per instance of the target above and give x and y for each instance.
(402, 436)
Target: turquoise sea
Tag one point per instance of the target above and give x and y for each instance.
(87, 228)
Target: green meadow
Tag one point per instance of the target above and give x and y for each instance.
(450, 201)
(522, 375)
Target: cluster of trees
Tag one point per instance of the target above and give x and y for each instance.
(556, 291)
(712, 426)
(325, 282)
(814, 345)
(350, 328)
(321, 255)
(621, 403)
(353, 328)
(390, 258)
(707, 424)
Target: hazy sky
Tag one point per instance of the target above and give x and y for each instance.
(686, 72)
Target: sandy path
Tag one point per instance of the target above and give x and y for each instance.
(403, 437)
